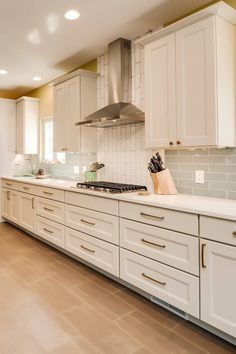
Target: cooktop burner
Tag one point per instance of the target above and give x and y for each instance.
(110, 187)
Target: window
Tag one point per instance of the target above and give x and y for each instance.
(47, 139)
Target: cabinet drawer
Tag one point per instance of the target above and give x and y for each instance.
(165, 218)
(168, 284)
(100, 253)
(27, 188)
(97, 224)
(218, 229)
(51, 193)
(174, 249)
(50, 209)
(50, 231)
(10, 184)
(96, 203)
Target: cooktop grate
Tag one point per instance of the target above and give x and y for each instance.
(111, 187)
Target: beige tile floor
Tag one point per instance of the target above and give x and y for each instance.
(52, 304)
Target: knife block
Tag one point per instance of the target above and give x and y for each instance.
(163, 183)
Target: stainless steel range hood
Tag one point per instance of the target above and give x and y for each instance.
(119, 111)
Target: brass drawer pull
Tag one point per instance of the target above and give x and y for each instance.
(47, 209)
(33, 207)
(9, 184)
(48, 193)
(26, 188)
(49, 231)
(156, 281)
(87, 249)
(152, 243)
(234, 233)
(152, 216)
(8, 195)
(87, 222)
(202, 255)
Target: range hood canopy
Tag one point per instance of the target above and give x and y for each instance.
(119, 111)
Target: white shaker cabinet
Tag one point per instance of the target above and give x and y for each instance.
(74, 98)
(218, 287)
(27, 122)
(26, 211)
(190, 86)
(10, 205)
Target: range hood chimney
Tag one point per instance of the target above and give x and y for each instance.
(119, 111)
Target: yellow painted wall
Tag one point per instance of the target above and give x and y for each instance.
(45, 92)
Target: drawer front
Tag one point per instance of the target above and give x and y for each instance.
(27, 188)
(50, 209)
(96, 203)
(218, 229)
(51, 193)
(165, 218)
(100, 253)
(168, 284)
(50, 231)
(6, 183)
(174, 249)
(103, 226)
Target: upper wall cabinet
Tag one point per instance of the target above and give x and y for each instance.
(74, 98)
(27, 122)
(190, 86)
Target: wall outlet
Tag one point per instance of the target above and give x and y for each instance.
(199, 176)
(76, 169)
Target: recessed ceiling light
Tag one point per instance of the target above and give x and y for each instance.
(37, 78)
(3, 72)
(72, 15)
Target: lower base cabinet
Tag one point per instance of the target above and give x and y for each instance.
(218, 286)
(50, 231)
(168, 284)
(27, 211)
(100, 253)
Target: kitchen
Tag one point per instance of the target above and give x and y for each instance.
(118, 178)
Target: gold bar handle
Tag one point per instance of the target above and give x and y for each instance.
(152, 216)
(156, 281)
(152, 243)
(87, 222)
(33, 207)
(9, 184)
(202, 255)
(49, 231)
(234, 233)
(8, 195)
(48, 193)
(87, 249)
(26, 188)
(47, 209)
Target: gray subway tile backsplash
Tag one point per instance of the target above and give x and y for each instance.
(219, 166)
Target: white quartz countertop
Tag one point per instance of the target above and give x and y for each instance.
(215, 207)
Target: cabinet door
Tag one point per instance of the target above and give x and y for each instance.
(160, 108)
(5, 203)
(218, 287)
(26, 211)
(196, 84)
(59, 118)
(72, 91)
(14, 207)
(19, 127)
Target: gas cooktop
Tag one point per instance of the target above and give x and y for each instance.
(110, 187)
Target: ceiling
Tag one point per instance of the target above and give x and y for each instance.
(36, 39)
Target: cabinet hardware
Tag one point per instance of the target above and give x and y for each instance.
(234, 233)
(8, 195)
(152, 216)
(202, 254)
(48, 209)
(87, 222)
(48, 193)
(26, 188)
(33, 203)
(152, 243)
(156, 281)
(9, 184)
(171, 143)
(178, 142)
(49, 231)
(87, 249)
